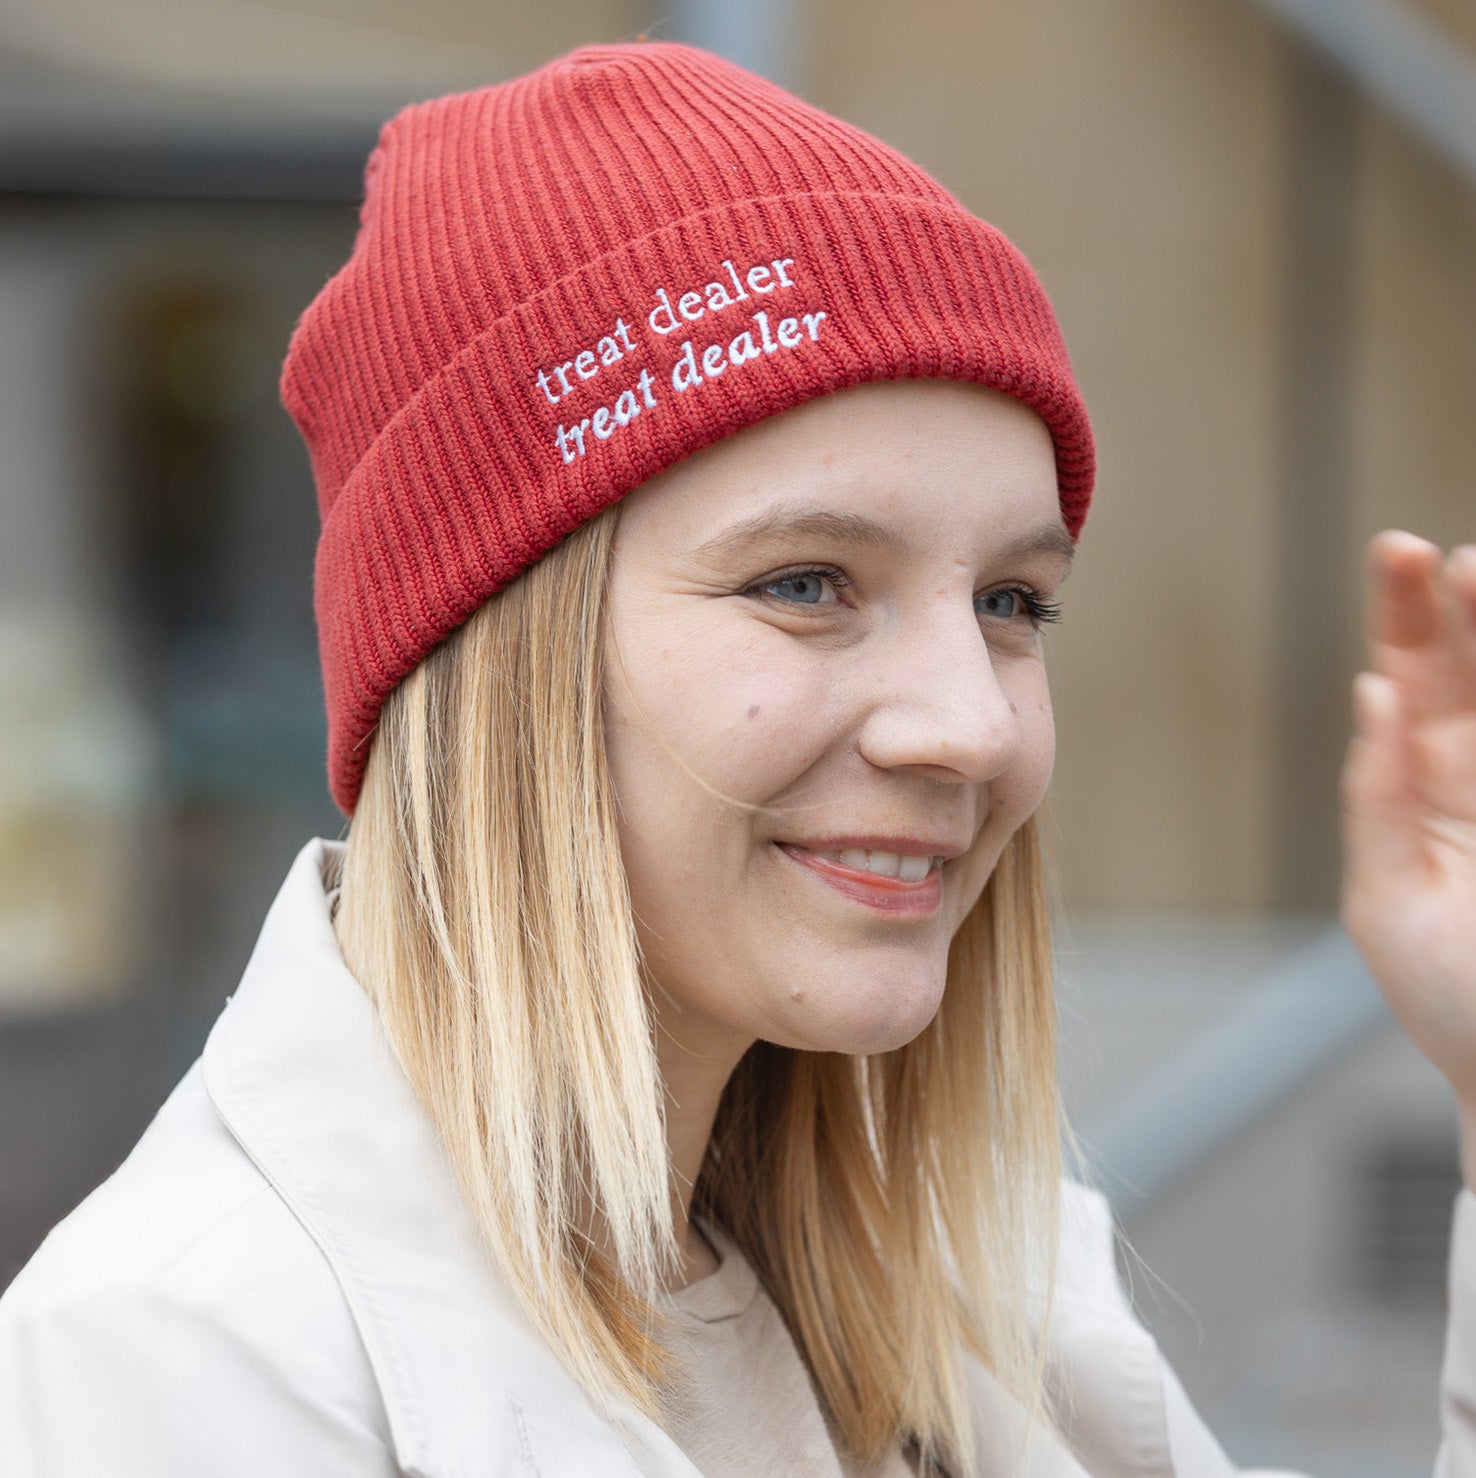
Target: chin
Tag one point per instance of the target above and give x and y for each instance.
(893, 1019)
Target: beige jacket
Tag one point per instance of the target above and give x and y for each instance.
(281, 1280)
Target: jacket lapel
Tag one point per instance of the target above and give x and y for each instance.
(301, 1074)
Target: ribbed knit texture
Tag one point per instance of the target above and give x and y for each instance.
(495, 363)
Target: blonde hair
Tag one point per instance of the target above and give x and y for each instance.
(895, 1206)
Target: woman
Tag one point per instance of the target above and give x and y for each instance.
(660, 1080)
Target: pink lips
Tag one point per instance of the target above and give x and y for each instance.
(885, 895)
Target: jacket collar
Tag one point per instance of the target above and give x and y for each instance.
(303, 1077)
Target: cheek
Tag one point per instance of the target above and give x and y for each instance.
(713, 710)
(1030, 700)
(696, 733)
(1015, 796)
(1041, 747)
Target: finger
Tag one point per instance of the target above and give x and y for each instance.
(1460, 583)
(1381, 836)
(1458, 587)
(1404, 596)
(1410, 632)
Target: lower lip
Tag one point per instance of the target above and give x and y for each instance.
(883, 894)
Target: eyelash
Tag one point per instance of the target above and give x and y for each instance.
(1038, 611)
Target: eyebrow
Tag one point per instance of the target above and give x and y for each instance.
(826, 523)
(860, 532)
(1048, 538)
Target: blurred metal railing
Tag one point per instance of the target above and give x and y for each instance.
(1403, 59)
(1307, 1014)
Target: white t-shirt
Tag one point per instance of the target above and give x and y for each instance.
(749, 1409)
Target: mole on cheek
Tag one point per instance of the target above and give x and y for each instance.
(753, 709)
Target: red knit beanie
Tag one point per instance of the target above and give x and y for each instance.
(565, 283)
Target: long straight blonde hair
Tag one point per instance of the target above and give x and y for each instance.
(895, 1206)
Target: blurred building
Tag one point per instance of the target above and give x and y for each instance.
(1261, 241)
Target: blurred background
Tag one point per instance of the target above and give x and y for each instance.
(1257, 221)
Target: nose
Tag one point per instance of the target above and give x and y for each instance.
(938, 706)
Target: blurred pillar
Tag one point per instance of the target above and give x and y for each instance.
(1317, 584)
(78, 770)
(766, 36)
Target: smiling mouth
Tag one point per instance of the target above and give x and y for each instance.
(863, 877)
(898, 865)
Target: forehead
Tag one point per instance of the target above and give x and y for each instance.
(866, 465)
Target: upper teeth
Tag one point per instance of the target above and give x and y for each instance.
(888, 864)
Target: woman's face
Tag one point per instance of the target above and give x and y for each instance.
(832, 617)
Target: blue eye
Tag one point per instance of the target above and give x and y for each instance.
(1015, 601)
(805, 587)
(1002, 603)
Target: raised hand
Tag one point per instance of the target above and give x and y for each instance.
(1409, 803)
